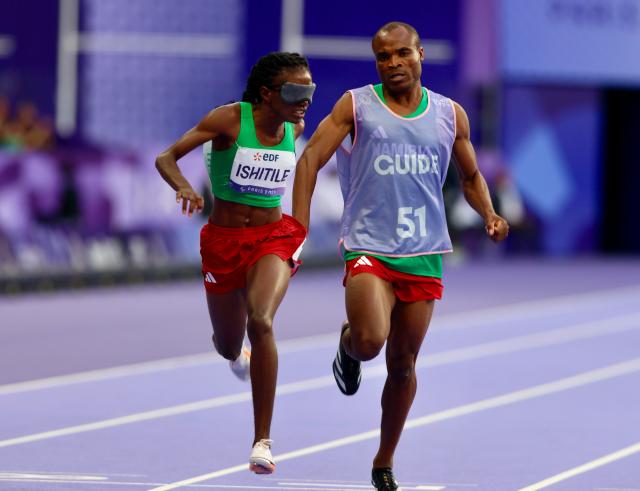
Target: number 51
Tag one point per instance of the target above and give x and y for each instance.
(406, 222)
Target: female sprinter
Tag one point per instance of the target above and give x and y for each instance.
(249, 248)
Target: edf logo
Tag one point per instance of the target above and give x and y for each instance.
(267, 157)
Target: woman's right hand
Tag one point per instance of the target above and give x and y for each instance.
(191, 201)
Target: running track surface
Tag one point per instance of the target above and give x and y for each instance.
(529, 379)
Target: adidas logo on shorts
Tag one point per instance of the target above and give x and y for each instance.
(209, 278)
(362, 261)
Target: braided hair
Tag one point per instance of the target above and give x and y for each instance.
(267, 69)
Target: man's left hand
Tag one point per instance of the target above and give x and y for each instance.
(497, 228)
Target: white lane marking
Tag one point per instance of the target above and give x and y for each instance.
(332, 487)
(111, 373)
(548, 307)
(326, 485)
(84, 483)
(286, 346)
(304, 482)
(37, 475)
(520, 343)
(155, 484)
(303, 385)
(560, 385)
(581, 469)
(576, 332)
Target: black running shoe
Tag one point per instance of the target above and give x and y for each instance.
(346, 370)
(383, 479)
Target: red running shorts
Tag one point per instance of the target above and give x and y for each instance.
(407, 287)
(229, 252)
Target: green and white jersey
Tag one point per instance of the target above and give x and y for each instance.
(249, 172)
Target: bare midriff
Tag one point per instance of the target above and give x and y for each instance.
(230, 214)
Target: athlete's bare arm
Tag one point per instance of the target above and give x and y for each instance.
(222, 123)
(473, 183)
(323, 143)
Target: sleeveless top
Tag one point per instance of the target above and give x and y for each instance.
(424, 264)
(392, 178)
(249, 172)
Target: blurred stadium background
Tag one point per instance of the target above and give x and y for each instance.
(92, 90)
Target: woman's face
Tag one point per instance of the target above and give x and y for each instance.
(291, 112)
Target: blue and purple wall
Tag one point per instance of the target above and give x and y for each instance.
(533, 76)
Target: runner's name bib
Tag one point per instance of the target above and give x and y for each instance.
(261, 171)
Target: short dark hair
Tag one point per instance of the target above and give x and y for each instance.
(390, 26)
(267, 68)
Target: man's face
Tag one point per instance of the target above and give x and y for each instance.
(293, 113)
(398, 59)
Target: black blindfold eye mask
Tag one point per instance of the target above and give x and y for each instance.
(295, 93)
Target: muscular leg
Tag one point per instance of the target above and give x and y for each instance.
(409, 323)
(369, 301)
(228, 313)
(267, 283)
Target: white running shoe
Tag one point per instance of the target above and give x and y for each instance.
(240, 366)
(261, 461)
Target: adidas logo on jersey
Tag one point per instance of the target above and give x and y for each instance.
(379, 133)
(362, 261)
(209, 278)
